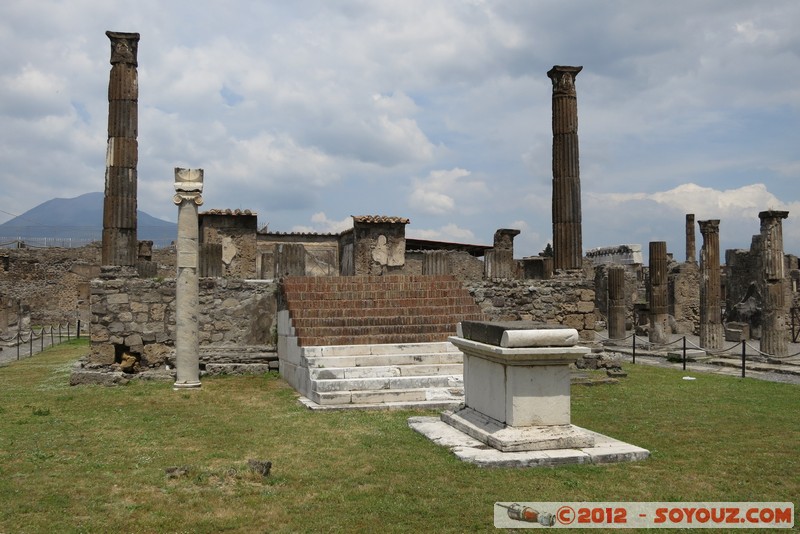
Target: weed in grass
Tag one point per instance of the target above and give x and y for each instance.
(41, 412)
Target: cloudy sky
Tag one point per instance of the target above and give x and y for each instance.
(309, 112)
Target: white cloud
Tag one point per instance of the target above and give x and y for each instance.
(321, 224)
(449, 232)
(439, 192)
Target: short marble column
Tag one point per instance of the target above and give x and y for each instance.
(188, 195)
(773, 316)
(616, 302)
(691, 250)
(567, 238)
(120, 245)
(659, 304)
(711, 332)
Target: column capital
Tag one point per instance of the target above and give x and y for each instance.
(710, 226)
(563, 78)
(773, 214)
(188, 186)
(124, 47)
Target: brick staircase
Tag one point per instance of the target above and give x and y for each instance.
(373, 341)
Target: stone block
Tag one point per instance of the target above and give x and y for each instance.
(102, 354)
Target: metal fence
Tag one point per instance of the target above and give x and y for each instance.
(25, 343)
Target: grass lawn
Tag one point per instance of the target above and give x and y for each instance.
(94, 459)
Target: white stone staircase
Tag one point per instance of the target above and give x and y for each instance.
(390, 375)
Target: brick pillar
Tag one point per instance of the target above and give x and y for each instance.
(691, 254)
(188, 195)
(773, 323)
(659, 304)
(119, 204)
(711, 332)
(567, 240)
(616, 302)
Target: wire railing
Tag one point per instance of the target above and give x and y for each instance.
(36, 338)
(686, 343)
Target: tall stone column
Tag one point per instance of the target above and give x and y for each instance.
(691, 250)
(188, 195)
(616, 302)
(659, 304)
(122, 154)
(711, 332)
(567, 240)
(773, 316)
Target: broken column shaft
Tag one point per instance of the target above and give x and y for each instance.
(711, 332)
(691, 251)
(616, 302)
(188, 195)
(567, 240)
(773, 324)
(659, 304)
(119, 203)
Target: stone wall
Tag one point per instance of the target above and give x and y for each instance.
(684, 297)
(565, 300)
(133, 324)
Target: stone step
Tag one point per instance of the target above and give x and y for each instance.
(387, 320)
(296, 305)
(369, 329)
(408, 398)
(385, 360)
(353, 385)
(372, 339)
(376, 292)
(413, 311)
(386, 371)
(380, 349)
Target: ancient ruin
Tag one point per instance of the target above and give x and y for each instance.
(711, 333)
(188, 195)
(120, 245)
(659, 305)
(363, 317)
(567, 240)
(773, 333)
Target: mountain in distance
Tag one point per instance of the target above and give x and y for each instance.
(79, 219)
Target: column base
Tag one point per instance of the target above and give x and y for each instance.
(506, 438)
(186, 385)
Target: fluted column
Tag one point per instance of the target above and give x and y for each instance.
(691, 250)
(122, 154)
(711, 332)
(773, 317)
(567, 239)
(659, 304)
(616, 302)
(188, 195)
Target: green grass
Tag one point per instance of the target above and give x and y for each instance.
(94, 459)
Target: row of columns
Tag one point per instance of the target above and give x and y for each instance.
(773, 336)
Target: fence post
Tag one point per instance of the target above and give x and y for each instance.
(42, 336)
(19, 342)
(684, 353)
(51, 335)
(744, 349)
(30, 343)
(634, 348)
(79, 329)
(68, 338)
